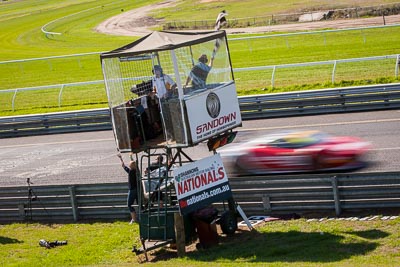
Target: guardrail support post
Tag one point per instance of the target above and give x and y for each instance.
(266, 203)
(336, 196)
(73, 203)
(396, 69)
(21, 211)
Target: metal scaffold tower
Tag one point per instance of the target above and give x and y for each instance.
(169, 91)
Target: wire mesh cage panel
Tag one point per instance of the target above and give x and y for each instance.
(151, 82)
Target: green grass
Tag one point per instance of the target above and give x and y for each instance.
(279, 243)
(314, 47)
(21, 22)
(256, 52)
(88, 244)
(21, 38)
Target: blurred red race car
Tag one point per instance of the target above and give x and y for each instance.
(300, 151)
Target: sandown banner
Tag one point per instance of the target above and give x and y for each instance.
(201, 183)
(213, 112)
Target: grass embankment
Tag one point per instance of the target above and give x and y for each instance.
(279, 243)
(21, 22)
(20, 38)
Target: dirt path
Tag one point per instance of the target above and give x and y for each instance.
(137, 23)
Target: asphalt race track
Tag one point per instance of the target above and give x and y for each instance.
(90, 157)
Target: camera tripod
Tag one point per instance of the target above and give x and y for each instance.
(31, 197)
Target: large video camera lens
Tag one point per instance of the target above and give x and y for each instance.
(60, 243)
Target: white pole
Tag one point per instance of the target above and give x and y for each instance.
(333, 71)
(60, 95)
(13, 99)
(273, 77)
(246, 220)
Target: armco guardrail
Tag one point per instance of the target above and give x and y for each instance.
(321, 101)
(52, 123)
(317, 192)
(61, 203)
(252, 107)
(257, 195)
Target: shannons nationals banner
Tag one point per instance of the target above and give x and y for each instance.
(213, 112)
(201, 183)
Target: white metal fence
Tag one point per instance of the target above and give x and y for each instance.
(59, 87)
(333, 63)
(392, 60)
